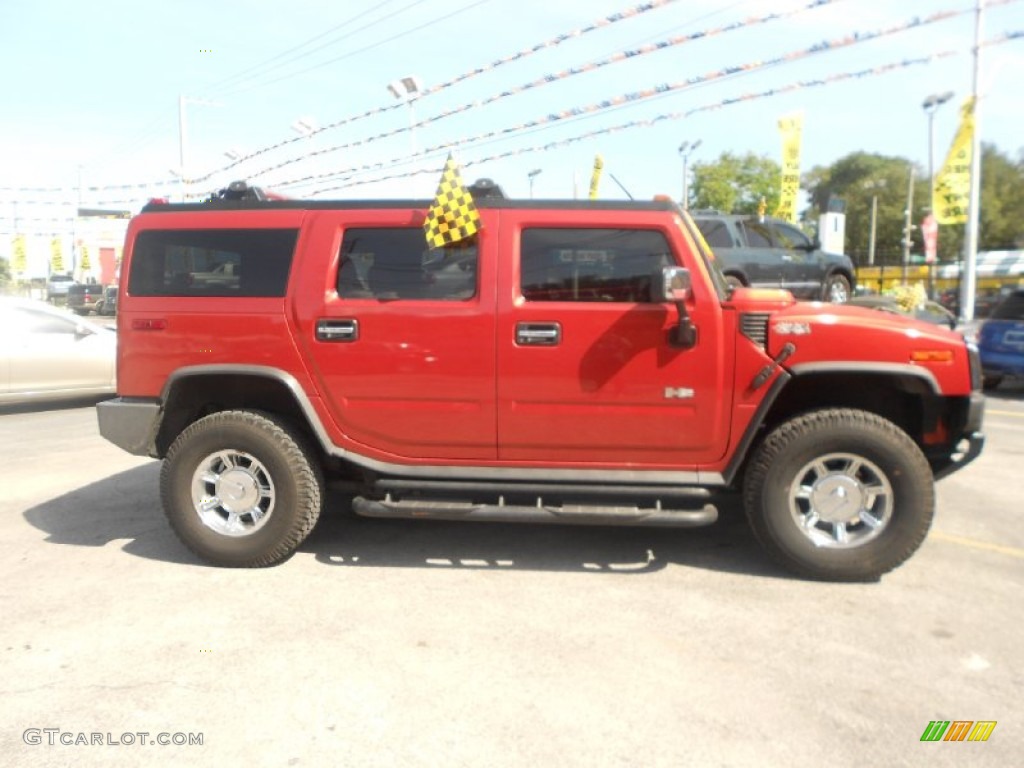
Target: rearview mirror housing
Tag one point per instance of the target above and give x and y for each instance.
(674, 285)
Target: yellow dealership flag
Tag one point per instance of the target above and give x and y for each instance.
(84, 262)
(595, 177)
(56, 256)
(791, 128)
(453, 215)
(19, 260)
(951, 192)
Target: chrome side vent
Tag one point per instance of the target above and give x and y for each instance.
(754, 325)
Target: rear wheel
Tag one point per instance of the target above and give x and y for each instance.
(836, 289)
(241, 488)
(991, 382)
(842, 495)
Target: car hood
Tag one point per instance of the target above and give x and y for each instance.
(831, 337)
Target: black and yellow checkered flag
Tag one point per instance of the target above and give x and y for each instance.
(453, 215)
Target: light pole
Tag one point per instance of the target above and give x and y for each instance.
(182, 139)
(684, 152)
(408, 89)
(930, 105)
(532, 175)
(873, 185)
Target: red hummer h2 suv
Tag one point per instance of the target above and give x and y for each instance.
(572, 362)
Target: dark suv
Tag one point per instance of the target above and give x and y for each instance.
(82, 297)
(769, 253)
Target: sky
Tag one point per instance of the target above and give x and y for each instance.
(92, 92)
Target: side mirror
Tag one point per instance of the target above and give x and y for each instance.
(673, 284)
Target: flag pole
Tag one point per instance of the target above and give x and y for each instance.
(968, 274)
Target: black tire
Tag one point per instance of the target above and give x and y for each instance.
(814, 457)
(836, 289)
(991, 382)
(734, 281)
(268, 471)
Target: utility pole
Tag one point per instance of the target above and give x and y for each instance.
(874, 229)
(908, 225)
(968, 276)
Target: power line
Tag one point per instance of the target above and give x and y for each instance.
(600, 23)
(623, 99)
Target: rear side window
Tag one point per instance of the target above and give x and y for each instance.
(212, 262)
(592, 265)
(716, 233)
(395, 263)
(1011, 308)
(757, 234)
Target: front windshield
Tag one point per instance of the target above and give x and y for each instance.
(707, 255)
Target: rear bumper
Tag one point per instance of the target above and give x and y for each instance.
(130, 424)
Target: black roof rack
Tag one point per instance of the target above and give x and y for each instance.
(238, 190)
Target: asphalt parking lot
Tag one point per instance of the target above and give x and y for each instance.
(413, 643)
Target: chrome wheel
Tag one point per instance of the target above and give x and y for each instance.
(232, 493)
(841, 501)
(838, 291)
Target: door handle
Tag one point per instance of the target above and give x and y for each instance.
(346, 329)
(538, 334)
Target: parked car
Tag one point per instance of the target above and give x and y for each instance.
(47, 353)
(770, 253)
(107, 303)
(929, 311)
(1001, 340)
(82, 297)
(57, 286)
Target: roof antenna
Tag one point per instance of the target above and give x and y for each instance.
(620, 185)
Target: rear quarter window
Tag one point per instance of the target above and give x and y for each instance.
(212, 262)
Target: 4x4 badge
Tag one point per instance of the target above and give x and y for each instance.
(795, 329)
(682, 393)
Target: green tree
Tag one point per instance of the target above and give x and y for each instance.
(736, 183)
(1002, 200)
(859, 176)
(5, 272)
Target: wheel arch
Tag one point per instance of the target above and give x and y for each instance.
(197, 391)
(908, 397)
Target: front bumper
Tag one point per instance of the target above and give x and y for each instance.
(971, 441)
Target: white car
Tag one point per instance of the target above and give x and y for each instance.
(48, 353)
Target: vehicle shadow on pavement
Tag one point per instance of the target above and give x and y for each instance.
(124, 508)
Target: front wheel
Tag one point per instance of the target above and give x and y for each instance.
(241, 488)
(841, 495)
(836, 289)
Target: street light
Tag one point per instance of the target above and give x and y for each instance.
(684, 152)
(408, 89)
(183, 139)
(532, 175)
